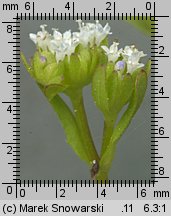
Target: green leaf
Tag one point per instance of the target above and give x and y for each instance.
(51, 91)
(85, 59)
(72, 73)
(104, 42)
(38, 68)
(113, 89)
(136, 100)
(126, 90)
(120, 88)
(147, 67)
(70, 127)
(99, 90)
(53, 74)
(25, 63)
(140, 88)
(94, 60)
(50, 57)
(109, 70)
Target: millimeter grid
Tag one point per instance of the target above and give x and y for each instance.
(16, 96)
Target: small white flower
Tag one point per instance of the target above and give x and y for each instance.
(131, 56)
(63, 44)
(57, 36)
(42, 38)
(58, 43)
(101, 32)
(112, 52)
(92, 33)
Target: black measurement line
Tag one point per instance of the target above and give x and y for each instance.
(161, 177)
(160, 56)
(9, 143)
(10, 101)
(73, 11)
(162, 16)
(56, 186)
(137, 189)
(33, 10)
(76, 187)
(134, 13)
(11, 22)
(53, 13)
(16, 190)
(10, 62)
(114, 9)
(160, 97)
(94, 13)
(97, 189)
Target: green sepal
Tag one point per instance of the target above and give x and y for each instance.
(102, 58)
(47, 72)
(85, 64)
(99, 89)
(52, 90)
(38, 67)
(147, 67)
(50, 57)
(140, 88)
(72, 74)
(109, 69)
(94, 55)
(26, 65)
(104, 42)
(119, 88)
(113, 86)
(54, 73)
(135, 73)
(126, 89)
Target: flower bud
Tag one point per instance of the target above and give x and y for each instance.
(112, 89)
(111, 93)
(47, 73)
(80, 67)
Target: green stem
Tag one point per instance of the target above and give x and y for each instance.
(102, 176)
(107, 133)
(107, 157)
(82, 122)
(104, 165)
(134, 104)
(70, 127)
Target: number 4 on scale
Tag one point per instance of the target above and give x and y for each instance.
(9, 109)
(69, 5)
(161, 91)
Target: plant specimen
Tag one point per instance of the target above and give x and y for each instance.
(66, 63)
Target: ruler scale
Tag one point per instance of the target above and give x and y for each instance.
(127, 191)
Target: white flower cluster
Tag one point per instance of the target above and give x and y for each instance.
(65, 44)
(91, 33)
(130, 55)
